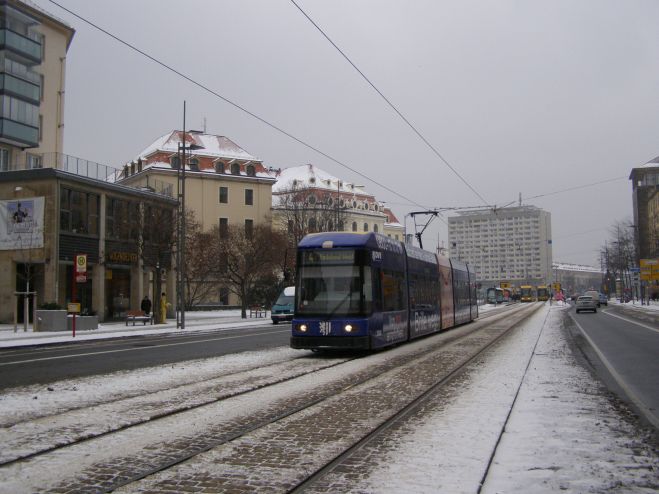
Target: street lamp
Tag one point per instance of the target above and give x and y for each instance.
(180, 251)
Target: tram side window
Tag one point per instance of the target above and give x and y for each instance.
(393, 290)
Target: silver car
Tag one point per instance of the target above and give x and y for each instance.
(586, 302)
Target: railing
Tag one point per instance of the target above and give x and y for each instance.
(82, 167)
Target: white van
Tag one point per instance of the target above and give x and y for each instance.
(283, 308)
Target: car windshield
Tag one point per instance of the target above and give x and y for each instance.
(284, 300)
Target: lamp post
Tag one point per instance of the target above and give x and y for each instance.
(180, 251)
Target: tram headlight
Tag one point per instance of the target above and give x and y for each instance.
(348, 328)
(302, 328)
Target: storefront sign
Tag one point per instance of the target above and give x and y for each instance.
(123, 257)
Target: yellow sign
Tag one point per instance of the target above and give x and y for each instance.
(73, 307)
(650, 269)
(504, 284)
(556, 287)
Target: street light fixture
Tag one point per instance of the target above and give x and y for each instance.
(180, 251)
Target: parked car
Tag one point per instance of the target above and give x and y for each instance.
(595, 294)
(282, 309)
(604, 300)
(586, 302)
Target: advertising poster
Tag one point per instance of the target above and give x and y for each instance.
(21, 223)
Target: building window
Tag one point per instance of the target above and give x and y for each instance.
(375, 228)
(235, 169)
(121, 219)
(194, 164)
(33, 161)
(249, 228)
(79, 212)
(224, 228)
(224, 195)
(219, 167)
(312, 225)
(250, 170)
(175, 162)
(354, 226)
(249, 197)
(4, 159)
(365, 227)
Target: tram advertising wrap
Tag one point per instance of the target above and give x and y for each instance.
(366, 291)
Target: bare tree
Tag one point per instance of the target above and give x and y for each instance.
(304, 210)
(243, 257)
(201, 279)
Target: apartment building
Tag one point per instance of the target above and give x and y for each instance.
(33, 48)
(645, 185)
(512, 244)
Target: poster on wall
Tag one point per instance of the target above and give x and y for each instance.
(21, 223)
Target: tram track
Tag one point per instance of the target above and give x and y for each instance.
(127, 472)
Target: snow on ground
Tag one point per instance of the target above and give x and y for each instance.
(564, 434)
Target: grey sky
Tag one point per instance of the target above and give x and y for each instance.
(531, 97)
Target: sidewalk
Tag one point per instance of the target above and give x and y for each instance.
(195, 321)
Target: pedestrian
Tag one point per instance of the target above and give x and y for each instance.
(163, 308)
(146, 305)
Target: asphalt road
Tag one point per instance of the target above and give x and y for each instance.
(45, 364)
(629, 350)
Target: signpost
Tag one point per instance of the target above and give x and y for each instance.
(79, 276)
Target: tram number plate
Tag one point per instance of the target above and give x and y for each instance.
(325, 328)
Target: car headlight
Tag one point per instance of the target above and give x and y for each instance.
(302, 328)
(348, 328)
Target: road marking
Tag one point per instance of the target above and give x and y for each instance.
(631, 321)
(647, 411)
(59, 357)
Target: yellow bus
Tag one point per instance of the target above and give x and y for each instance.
(543, 293)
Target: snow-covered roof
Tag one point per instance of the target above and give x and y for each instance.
(652, 163)
(313, 177)
(211, 145)
(563, 266)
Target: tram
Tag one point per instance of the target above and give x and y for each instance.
(368, 291)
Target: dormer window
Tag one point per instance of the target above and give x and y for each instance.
(235, 169)
(219, 167)
(250, 170)
(175, 162)
(194, 164)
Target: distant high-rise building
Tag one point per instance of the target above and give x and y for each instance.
(511, 244)
(33, 47)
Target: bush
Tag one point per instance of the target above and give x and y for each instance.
(50, 306)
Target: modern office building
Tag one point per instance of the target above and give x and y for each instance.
(511, 244)
(49, 216)
(33, 48)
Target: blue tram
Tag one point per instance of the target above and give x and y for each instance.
(366, 291)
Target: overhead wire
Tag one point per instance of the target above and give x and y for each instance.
(391, 105)
(232, 103)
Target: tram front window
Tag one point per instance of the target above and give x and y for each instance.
(328, 288)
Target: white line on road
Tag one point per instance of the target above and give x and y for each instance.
(647, 411)
(631, 321)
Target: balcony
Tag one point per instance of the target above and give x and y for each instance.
(18, 133)
(21, 45)
(20, 88)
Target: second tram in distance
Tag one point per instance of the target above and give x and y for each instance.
(367, 291)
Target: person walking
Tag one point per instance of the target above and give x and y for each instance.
(163, 308)
(146, 305)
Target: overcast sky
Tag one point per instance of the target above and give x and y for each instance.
(528, 97)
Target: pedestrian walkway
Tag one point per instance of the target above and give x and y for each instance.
(199, 321)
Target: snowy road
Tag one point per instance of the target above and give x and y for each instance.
(561, 430)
